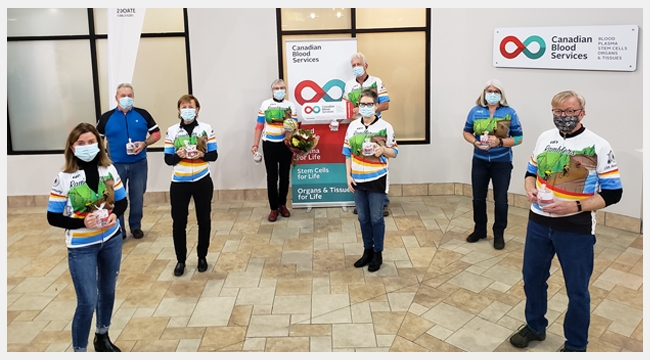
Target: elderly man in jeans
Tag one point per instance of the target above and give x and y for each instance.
(562, 218)
(125, 129)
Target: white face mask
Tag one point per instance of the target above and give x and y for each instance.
(188, 114)
(86, 152)
(367, 111)
(358, 71)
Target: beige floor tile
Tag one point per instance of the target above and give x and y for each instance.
(491, 336)
(290, 286)
(448, 316)
(268, 326)
(212, 312)
(353, 335)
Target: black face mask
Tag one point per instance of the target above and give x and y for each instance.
(565, 124)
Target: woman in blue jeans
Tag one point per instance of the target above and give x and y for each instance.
(493, 128)
(87, 198)
(369, 142)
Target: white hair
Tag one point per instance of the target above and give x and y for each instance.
(359, 56)
(497, 84)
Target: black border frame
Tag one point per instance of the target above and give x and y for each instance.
(93, 37)
(353, 31)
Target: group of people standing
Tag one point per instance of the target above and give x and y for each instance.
(578, 167)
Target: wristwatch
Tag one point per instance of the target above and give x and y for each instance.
(500, 142)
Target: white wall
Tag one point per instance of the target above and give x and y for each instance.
(234, 60)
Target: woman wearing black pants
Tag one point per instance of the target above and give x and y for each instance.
(189, 146)
(277, 156)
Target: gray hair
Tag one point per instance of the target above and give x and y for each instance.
(359, 56)
(497, 84)
(276, 82)
(124, 85)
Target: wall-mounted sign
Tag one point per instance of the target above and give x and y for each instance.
(610, 48)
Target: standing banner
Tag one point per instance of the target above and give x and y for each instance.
(316, 74)
(124, 29)
(608, 47)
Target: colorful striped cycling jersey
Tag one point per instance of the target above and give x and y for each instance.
(503, 124)
(574, 168)
(190, 170)
(272, 114)
(72, 197)
(368, 168)
(353, 90)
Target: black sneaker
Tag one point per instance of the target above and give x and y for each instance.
(499, 243)
(137, 233)
(355, 211)
(179, 269)
(563, 349)
(474, 237)
(524, 336)
(386, 213)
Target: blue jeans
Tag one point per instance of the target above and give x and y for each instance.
(575, 252)
(370, 210)
(482, 172)
(386, 200)
(94, 270)
(134, 178)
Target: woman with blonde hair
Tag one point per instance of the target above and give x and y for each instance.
(86, 200)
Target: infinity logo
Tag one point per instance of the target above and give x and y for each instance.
(309, 109)
(321, 93)
(522, 47)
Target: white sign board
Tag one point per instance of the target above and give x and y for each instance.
(316, 74)
(612, 48)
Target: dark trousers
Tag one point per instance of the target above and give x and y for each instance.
(575, 252)
(277, 159)
(179, 195)
(499, 172)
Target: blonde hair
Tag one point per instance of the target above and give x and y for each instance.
(563, 96)
(497, 84)
(70, 162)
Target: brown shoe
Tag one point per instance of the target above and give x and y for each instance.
(273, 215)
(284, 211)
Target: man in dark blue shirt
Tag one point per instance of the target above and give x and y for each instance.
(125, 129)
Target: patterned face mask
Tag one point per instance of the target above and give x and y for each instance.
(566, 123)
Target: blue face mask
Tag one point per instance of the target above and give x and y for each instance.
(492, 98)
(126, 102)
(367, 111)
(279, 94)
(188, 114)
(86, 152)
(358, 71)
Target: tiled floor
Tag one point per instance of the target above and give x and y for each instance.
(290, 285)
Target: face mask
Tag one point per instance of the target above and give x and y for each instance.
(565, 124)
(86, 152)
(492, 98)
(358, 71)
(126, 102)
(367, 111)
(279, 94)
(188, 114)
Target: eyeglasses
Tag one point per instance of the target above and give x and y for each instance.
(558, 112)
(366, 104)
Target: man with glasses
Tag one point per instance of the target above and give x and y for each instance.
(353, 88)
(571, 174)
